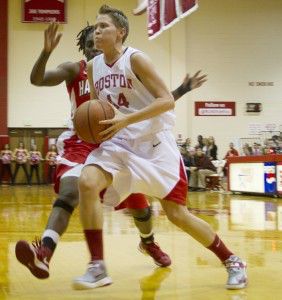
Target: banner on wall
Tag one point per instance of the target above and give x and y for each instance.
(162, 14)
(42, 11)
(269, 177)
(204, 108)
(279, 177)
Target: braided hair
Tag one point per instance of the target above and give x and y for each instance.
(82, 35)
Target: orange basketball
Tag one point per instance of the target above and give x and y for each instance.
(86, 119)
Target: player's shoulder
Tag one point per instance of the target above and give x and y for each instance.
(139, 59)
(137, 55)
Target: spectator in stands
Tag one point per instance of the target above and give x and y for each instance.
(6, 157)
(257, 150)
(206, 147)
(279, 150)
(35, 158)
(231, 152)
(203, 167)
(200, 142)
(187, 144)
(21, 156)
(189, 160)
(270, 147)
(212, 148)
(247, 150)
(179, 141)
(51, 158)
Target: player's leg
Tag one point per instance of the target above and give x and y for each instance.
(37, 256)
(203, 233)
(141, 212)
(92, 181)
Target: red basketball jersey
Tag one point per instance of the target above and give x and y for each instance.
(78, 89)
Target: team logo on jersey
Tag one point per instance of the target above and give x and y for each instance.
(112, 81)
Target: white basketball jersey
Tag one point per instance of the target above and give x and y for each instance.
(118, 84)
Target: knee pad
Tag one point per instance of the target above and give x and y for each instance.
(143, 216)
(64, 205)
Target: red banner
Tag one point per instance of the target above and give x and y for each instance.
(154, 18)
(188, 6)
(170, 13)
(162, 14)
(203, 109)
(44, 11)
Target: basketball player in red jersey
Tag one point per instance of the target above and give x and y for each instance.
(74, 152)
(139, 152)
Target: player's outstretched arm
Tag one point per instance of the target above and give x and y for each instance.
(64, 72)
(189, 84)
(90, 79)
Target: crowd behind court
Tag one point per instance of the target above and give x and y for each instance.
(202, 160)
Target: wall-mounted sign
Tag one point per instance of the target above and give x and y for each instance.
(43, 11)
(253, 107)
(261, 83)
(215, 108)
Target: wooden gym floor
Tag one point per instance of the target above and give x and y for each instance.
(250, 226)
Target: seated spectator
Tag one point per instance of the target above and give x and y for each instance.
(187, 143)
(206, 147)
(212, 148)
(35, 158)
(247, 150)
(189, 160)
(6, 157)
(231, 152)
(203, 167)
(257, 149)
(200, 143)
(280, 137)
(279, 149)
(269, 147)
(179, 141)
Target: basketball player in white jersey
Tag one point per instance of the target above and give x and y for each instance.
(74, 152)
(139, 153)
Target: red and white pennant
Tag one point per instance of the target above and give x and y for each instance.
(162, 14)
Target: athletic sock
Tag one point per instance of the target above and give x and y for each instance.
(219, 249)
(50, 239)
(94, 239)
(147, 238)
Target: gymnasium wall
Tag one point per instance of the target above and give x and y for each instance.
(234, 42)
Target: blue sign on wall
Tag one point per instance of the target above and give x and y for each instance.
(270, 177)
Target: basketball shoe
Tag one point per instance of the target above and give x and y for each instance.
(237, 274)
(95, 276)
(160, 258)
(35, 257)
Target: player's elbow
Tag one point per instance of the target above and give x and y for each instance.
(35, 81)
